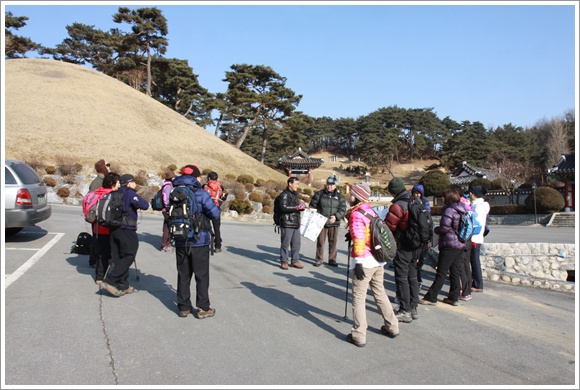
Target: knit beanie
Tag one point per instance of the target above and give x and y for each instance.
(361, 191)
(396, 186)
(101, 167)
(332, 179)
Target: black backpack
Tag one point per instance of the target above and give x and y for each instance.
(420, 229)
(383, 243)
(184, 215)
(83, 244)
(277, 213)
(110, 211)
(157, 200)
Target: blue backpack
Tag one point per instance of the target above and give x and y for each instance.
(184, 218)
(466, 226)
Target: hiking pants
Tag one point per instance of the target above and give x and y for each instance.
(165, 237)
(332, 233)
(192, 260)
(465, 277)
(449, 259)
(405, 264)
(290, 238)
(104, 258)
(216, 224)
(476, 267)
(124, 245)
(374, 278)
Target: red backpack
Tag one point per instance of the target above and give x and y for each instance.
(214, 187)
(89, 204)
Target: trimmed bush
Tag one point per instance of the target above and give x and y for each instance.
(50, 169)
(49, 181)
(267, 209)
(63, 192)
(68, 166)
(255, 197)
(242, 206)
(435, 182)
(141, 177)
(246, 179)
(548, 201)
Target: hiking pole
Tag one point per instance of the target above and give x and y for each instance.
(136, 270)
(347, 277)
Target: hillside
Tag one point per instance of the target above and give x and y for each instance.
(55, 109)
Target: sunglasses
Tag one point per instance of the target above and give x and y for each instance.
(108, 165)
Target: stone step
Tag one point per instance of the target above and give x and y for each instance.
(563, 220)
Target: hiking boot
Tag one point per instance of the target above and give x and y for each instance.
(450, 302)
(284, 265)
(473, 289)
(205, 313)
(424, 301)
(415, 314)
(218, 250)
(351, 340)
(297, 265)
(112, 289)
(465, 298)
(129, 290)
(184, 313)
(333, 263)
(403, 316)
(318, 264)
(388, 333)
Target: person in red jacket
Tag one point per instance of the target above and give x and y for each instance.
(216, 191)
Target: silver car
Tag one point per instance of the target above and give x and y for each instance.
(24, 197)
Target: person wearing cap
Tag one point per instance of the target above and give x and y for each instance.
(330, 203)
(102, 168)
(419, 191)
(124, 240)
(368, 272)
(192, 255)
(290, 208)
(481, 208)
(397, 220)
(166, 186)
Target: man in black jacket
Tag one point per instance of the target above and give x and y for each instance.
(290, 209)
(330, 203)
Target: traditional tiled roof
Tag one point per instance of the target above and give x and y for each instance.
(300, 160)
(565, 168)
(466, 173)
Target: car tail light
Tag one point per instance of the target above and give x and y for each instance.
(23, 197)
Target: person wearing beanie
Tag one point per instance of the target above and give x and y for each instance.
(290, 208)
(404, 263)
(124, 239)
(480, 207)
(330, 203)
(368, 272)
(419, 191)
(192, 255)
(166, 187)
(216, 191)
(102, 168)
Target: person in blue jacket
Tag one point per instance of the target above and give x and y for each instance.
(124, 240)
(192, 256)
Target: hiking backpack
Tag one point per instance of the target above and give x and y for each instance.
(89, 204)
(420, 229)
(157, 200)
(214, 188)
(110, 211)
(467, 226)
(383, 243)
(83, 243)
(184, 216)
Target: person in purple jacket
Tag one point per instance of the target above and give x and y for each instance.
(124, 240)
(450, 250)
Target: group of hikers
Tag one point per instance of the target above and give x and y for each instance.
(116, 246)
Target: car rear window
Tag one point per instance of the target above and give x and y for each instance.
(8, 177)
(26, 175)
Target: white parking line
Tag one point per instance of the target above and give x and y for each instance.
(26, 266)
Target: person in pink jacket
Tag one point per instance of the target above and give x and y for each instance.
(368, 272)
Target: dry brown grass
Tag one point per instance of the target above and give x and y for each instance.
(59, 111)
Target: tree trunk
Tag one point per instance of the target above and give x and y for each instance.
(148, 70)
(247, 128)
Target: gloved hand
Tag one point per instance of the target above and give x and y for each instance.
(359, 271)
(347, 237)
(301, 207)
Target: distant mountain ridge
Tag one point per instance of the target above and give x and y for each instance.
(54, 109)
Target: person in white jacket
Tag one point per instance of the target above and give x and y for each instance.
(481, 208)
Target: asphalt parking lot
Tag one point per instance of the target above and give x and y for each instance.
(272, 327)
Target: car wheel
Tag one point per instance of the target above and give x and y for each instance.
(12, 231)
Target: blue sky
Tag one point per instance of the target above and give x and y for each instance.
(494, 63)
